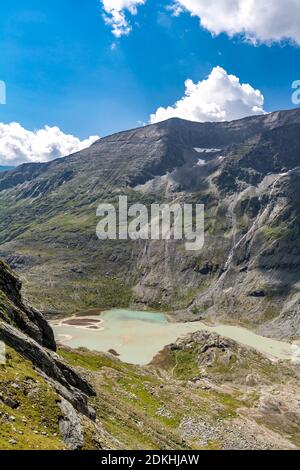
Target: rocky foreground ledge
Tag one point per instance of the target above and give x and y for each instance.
(26, 332)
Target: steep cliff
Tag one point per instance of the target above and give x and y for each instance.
(31, 367)
(14, 312)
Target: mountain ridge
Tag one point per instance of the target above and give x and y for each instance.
(204, 391)
(271, 118)
(48, 222)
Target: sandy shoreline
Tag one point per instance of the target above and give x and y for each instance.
(80, 322)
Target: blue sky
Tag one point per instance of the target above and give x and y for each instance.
(63, 66)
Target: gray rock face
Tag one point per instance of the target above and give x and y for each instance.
(28, 333)
(64, 379)
(70, 426)
(14, 311)
(248, 180)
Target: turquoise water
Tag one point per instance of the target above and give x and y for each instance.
(138, 336)
(135, 316)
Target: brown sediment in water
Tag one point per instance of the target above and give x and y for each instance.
(81, 322)
(91, 313)
(78, 322)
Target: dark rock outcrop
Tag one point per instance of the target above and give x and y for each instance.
(27, 332)
(14, 311)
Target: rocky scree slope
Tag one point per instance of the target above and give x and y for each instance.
(246, 173)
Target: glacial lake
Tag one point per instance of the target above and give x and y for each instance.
(138, 336)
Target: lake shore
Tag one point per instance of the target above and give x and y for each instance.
(137, 336)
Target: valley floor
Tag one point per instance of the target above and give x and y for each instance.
(204, 392)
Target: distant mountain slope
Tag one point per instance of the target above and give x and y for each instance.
(248, 271)
(6, 168)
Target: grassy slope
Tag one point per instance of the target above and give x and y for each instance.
(32, 423)
(145, 407)
(142, 408)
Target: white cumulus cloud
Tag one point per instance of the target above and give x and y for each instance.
(221, 97)
(264, 21)
(115, 14)
(19, 145)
